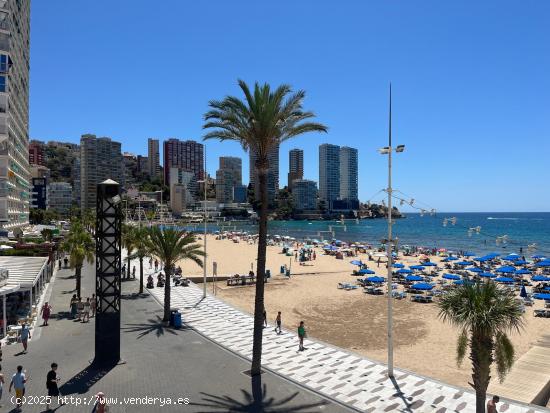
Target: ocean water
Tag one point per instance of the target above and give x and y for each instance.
(520, 229)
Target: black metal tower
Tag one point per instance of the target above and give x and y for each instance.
(108, 267)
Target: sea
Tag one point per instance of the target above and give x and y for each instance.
(482, 232)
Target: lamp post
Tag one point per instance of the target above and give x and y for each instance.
(387, 150)
(204, 180)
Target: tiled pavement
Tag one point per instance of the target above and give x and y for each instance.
(348, 378)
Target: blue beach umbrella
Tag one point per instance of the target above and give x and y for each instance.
(375, 279)
(404, 271)
(541, 296)
(398, 265)
(469, 254)
(511, 257)
(463, 263)
(487, 275)
(506, 269)
(451, 258)
(522, 271)
(413, 278)
(538, 256)
(540, 278)
(356, 262)
(416, 267)
(365, 271)
(545, 263)
(451, 277)
(425, 286)
(520, 262)
(523, 292)
(504, 280)
(474, 269)
(429, 264)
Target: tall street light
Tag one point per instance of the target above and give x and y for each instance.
(387, 150)
(203, 181)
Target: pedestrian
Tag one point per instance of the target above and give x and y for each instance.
(59, 263)
(296, 256)
(93, 305)
(314, 256)
(134, 272)
(52, 381)
(265, 318)
(492, 404)
(100, 405)
(46, 311)
(25, 335)
(278, 322)
(66, 261)
(80, 308)
(156, 265)
(72, 306)
(1, 385)
(150, 263)
(301, 336)
(86, 312)
(18, 381)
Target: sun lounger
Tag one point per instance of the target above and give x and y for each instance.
(542, 313)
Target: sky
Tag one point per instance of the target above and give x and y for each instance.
(470, 80)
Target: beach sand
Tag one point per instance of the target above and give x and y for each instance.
(351, 319)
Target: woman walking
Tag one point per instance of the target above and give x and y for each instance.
(46, 311)
(72, 306)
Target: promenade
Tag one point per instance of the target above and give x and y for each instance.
(159, 362)
(335, 373)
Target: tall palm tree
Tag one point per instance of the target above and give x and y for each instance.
(484, 313)
(80, 246)
(260, 123)
(139, 236)
(128, 242)
(171, 246)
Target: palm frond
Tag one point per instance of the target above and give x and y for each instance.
(504, 355)
(461, 347)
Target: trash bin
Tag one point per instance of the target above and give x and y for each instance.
(267, 273)
(177, 320)
(282, 269)
(173, 312)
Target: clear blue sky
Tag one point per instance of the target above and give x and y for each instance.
(471, 84)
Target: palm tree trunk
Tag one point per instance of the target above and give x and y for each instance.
(260, 276)
(141, 275)
(481, 357)
(168, 272)
(128, 267)
(78, 275)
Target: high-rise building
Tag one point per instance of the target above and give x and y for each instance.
(235, 165)
(15, 177)
(39, 195)
(181, 181)
(272, 175)
(295, 166)
(130, 169)
(36, 153)
(304, 194)
(76, 180)
(329, 173)
(60, 195)
(153, 157)
(142, 165)
(348, 174)
(100, 159)
(188, 155)
(228, 177)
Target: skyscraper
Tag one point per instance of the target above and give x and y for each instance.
(188, 155)
(272, 175)
(153, 158)
(329, 173)
(15, 177)
(100, 159)
(295, 166)
(36, 153)
(305, 194)
(348, 174)
(235, 165)
(228, 177)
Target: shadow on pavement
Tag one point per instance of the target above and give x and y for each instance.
(133, 296)
(153, 326)
(256, 401)
(81, 382)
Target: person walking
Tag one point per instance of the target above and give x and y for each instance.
(93, 305)
(301, 336)
(150, 263)
(80, 308)
(66, 261)
(86, 311)
(265, 318)
(72, 306)
(134, 272)
(1, 385)
(492, 404)
(25, 335)
(100, 405)
(46, 311)
(278, 323)
(52, 381)
(18, 381)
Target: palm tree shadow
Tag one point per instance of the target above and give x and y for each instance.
(81, 382)
(256, 401)
(158, 327)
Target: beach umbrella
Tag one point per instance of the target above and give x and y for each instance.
(545, 263)
(413, 278)
(504, 280)
(416, 267)
(463, 263)
(506, 269)
(404, 271)
(451, 258)
(538, 256)
(511, 257)
(365, 272)
(523, 292)
(429, 264)
(375, 279)
(462, 282)
(540, 278)
(482, 259)
(522, 271)
(487, 275)
(425, 286)
(356, 262)
(541, 296)
(520, 262)
(451, 277)
(398, 265)
(474, 269)
(469, 254)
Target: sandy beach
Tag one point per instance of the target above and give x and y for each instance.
(351, 319)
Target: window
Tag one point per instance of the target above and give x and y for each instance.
(2, 83)
(3, 63)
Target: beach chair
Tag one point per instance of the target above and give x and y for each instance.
(528, 301)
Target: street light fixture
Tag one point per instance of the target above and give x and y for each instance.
(387, 150)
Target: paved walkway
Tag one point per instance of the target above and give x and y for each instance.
(335, 373)
(160, 362)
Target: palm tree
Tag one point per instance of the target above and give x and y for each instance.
(171, 246)
(128, 242)
(80, 246)
(484, 313)
(139, 236)
(260, 123)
